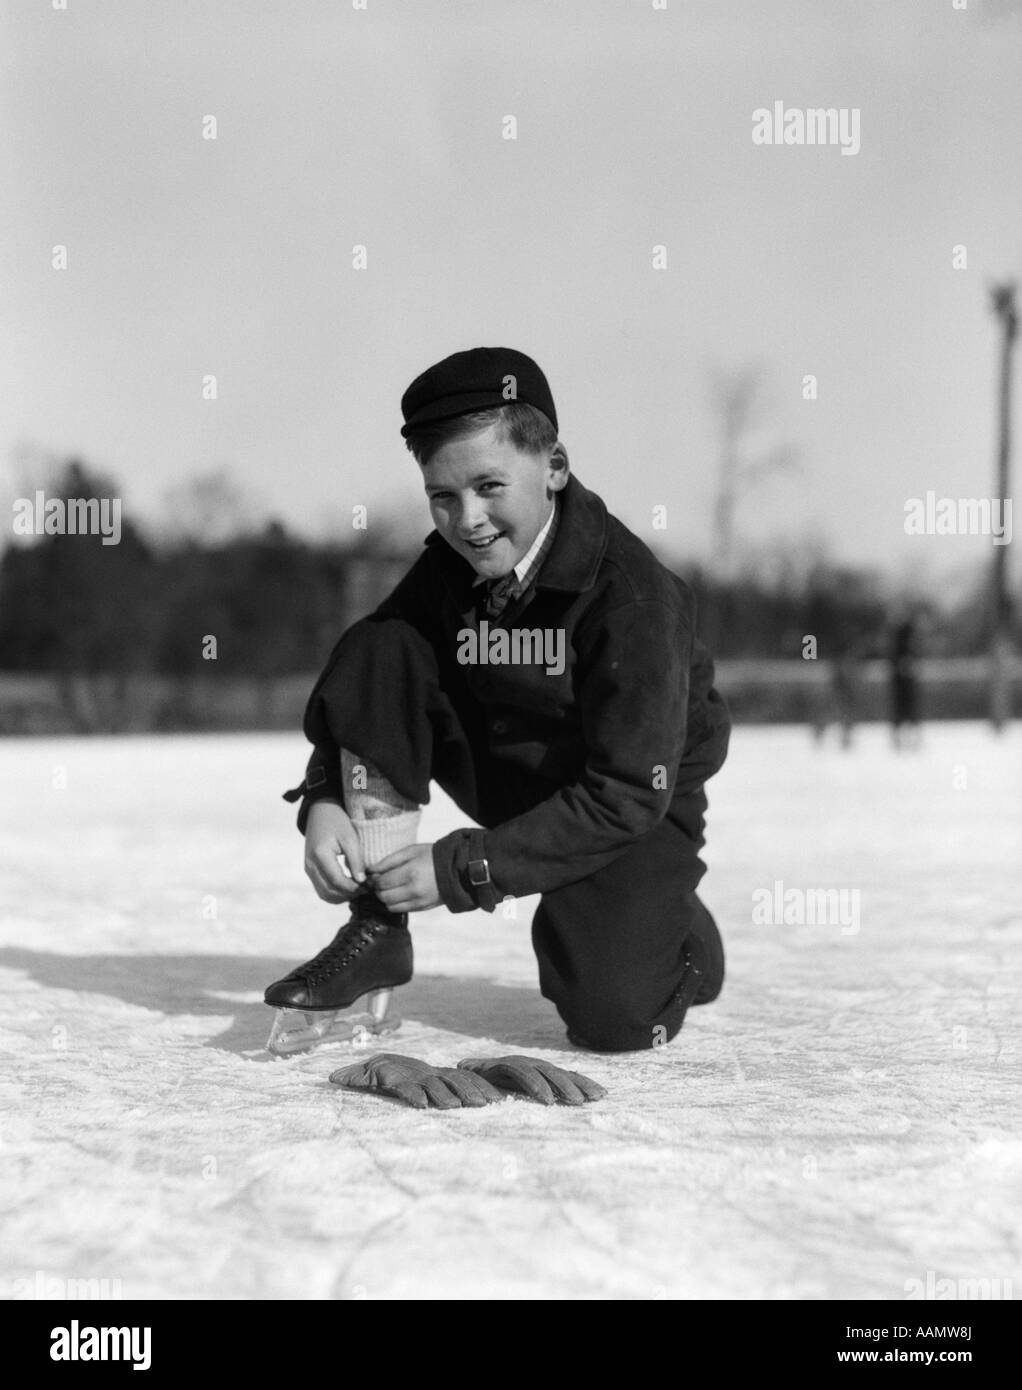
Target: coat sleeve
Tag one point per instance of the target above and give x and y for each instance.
(632, 686)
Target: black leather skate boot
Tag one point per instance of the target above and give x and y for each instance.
(370, 956)
(371, 951)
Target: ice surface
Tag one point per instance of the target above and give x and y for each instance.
(843, 1120)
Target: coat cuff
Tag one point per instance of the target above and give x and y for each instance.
(322, 781)
(463, 872)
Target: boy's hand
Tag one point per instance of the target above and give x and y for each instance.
(329, 834)
(406, 881)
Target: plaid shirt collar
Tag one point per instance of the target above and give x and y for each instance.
(529, 565)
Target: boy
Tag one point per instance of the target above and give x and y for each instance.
(541, 665)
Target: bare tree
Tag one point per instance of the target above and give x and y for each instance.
(746, 458)
(208, 509)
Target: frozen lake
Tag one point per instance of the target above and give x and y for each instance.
(842, 1122)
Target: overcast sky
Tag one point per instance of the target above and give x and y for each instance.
(337, 127)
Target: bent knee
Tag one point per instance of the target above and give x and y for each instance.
(607, 1026)
(609, 1018)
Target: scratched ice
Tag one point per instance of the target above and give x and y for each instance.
(844, 1120)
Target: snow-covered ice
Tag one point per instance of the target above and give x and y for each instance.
(843, 1121)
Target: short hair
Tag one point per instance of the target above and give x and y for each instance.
(523, 425)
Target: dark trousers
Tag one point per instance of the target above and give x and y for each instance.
(623, 953)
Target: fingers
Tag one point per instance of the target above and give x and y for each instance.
(448, 1089)
(349, 842)
(399, 1082)
(406, 881)
(411, 1093)
(591, 1090)
(473, 1083)
(329, 834)
(440, 1093)
(324, 890)
(400, 897)
(470, 1089)
(417, 1083)
(517, 1074)
(571, 1086)
(561, 1086)
(541, 1081)
(421, 1085)
(396, 858)
(385, 1067)
(392, 1066)
(327, 877)
(396, 879)
(392, 886)
(397, 899)
(529, 1080)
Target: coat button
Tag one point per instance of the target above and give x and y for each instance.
(500, 726)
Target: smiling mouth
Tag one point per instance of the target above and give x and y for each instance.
(485, 544)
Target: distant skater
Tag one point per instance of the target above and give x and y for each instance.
(904, 688)
(838, 699)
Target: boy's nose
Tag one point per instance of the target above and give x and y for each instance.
(471, 520)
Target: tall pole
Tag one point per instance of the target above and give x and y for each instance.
(1003, 298)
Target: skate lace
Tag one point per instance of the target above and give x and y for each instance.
(349, 944)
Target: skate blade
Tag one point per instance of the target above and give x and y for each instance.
(295, 1030)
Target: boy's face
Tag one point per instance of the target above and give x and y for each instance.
(490, 500)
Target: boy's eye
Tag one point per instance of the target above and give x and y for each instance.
(445, 496)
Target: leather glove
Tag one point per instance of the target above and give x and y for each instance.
(417, 1083)
(532, 1077)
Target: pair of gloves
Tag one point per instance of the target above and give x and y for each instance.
(472, 1083)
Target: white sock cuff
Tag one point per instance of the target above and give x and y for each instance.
(384, 834)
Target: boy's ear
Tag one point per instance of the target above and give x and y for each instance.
(558, 468)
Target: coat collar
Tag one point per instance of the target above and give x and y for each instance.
(575, 555)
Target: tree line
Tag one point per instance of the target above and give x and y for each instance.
(275, 602)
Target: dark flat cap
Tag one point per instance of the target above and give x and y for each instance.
(475, 380)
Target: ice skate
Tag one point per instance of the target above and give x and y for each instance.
(297, 1030)
(343, 994)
